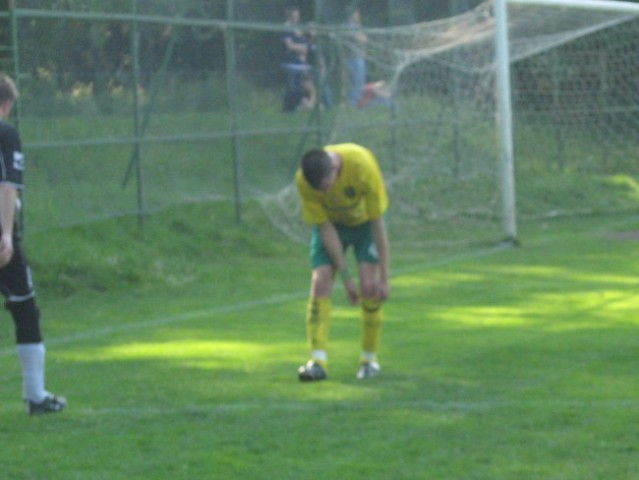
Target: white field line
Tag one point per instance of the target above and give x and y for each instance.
(285, 297)
(226, 309)
(426, 405)
(160, 321)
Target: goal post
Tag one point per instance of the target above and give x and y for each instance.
(503, 95)
(505, 123)
(503, 82)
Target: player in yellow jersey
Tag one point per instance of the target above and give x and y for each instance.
(344, 198)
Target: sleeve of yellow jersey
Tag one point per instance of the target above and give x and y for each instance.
(312, 211)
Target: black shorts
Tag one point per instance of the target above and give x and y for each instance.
(16, 282)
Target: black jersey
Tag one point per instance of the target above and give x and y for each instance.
(11, 157)
(291, 58)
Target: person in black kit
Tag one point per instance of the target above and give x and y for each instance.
(15, 275)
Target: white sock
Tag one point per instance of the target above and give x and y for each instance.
(319, 355)
(32, 361)
(369, 357)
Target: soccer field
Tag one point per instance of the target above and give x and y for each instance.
(497, 364)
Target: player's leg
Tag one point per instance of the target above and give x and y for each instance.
(371, 320)
(318, 316)
(318, 312)
(371, 306)
(17, 287)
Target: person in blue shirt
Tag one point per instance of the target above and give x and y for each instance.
(355, 56)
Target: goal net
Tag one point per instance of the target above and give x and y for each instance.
(130, 107)
(434, 125)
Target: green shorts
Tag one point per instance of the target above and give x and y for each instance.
(359, 237)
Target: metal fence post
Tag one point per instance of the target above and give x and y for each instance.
(135, 53)
(231, 64)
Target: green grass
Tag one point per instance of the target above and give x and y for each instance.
(177, 346)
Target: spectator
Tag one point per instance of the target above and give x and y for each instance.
(375, 93)
(355, 56)
(299, 87)
(318, 65)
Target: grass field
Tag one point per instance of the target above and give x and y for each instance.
(178, 347)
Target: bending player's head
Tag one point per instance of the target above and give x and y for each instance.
(318, 168)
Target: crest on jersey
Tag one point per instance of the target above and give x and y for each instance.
(349, 192)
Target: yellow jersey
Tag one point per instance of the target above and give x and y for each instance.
(357, 196)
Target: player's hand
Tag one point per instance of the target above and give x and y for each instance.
(383, 290)
(6, 249)
(351, 292)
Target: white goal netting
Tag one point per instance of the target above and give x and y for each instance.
(433, 126)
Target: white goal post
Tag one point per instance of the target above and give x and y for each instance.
(503, 78)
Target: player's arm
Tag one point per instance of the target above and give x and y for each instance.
(335, 251)
(8, 198)
(300, 48)
(380, 237)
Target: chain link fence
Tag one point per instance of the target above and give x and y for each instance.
(131, 106)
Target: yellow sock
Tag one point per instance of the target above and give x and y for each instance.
(371, 324)
(318, 317)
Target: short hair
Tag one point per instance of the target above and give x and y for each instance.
(316, 166)
(350, 11)
(8, 90)
(288, 11)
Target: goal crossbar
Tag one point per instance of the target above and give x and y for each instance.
(607, 5)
